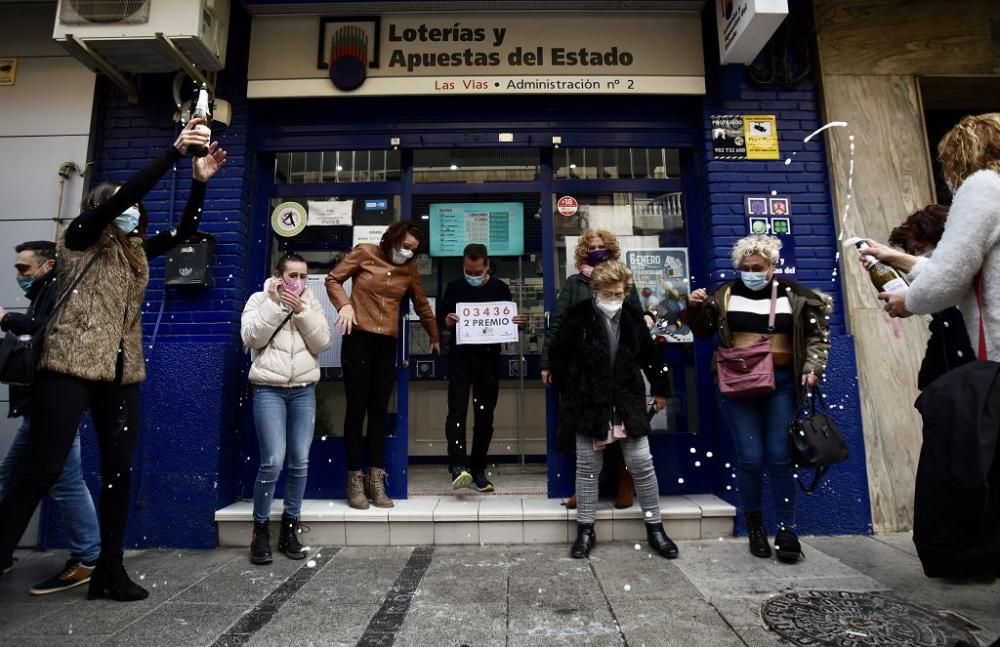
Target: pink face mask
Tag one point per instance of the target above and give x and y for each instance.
(294, 286)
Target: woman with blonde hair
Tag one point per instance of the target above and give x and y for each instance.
(740, 314)
(593, 247)
(967, 259)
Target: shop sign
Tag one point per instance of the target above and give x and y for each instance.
(745, 26)
(771, 215)
(477, 53)
(288, 219)
(378, 204)
(8, 71)
(745, 137)
(567, 206)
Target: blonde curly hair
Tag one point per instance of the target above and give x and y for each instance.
(768, 247)
(972, 145)
(583, 245)
(608, 273)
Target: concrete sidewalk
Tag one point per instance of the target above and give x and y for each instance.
(500, 597)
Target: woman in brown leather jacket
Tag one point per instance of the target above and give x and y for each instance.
(381, 275)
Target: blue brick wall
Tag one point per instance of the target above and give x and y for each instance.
(805, 181)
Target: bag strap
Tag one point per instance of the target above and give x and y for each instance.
(774, 305)
(277, 330)
(982, 327)
(818, 476)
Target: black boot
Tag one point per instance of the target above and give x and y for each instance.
(659, 541)
(288, 538)
(586, 538)
(260, 543)
(109, 580)
(757, 535)
(787, 546)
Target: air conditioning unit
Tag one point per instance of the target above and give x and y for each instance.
(123, 32)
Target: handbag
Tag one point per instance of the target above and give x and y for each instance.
(20, 354)
(748, 372)
(814, 441)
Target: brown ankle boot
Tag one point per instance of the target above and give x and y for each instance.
(375, 488)
(356, 490)
(626, 489)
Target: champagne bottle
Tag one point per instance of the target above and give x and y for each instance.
(201, 110)
(884, 277)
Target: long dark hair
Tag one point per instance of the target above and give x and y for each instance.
(101, 194)
(395, 234)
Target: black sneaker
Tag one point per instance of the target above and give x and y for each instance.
(73, 574)
(480, 483)
(460, 478)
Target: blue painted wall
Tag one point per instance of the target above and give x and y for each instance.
(191, 458)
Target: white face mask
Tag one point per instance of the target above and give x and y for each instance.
(609, 307)
(400, 256)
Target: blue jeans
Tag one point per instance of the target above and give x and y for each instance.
(760, 431)
(286, 420)
(70, 494)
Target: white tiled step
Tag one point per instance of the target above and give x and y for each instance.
(479, 520)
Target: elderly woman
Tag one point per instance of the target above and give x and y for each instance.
(739, 314)
(598, 359)
(594, 247)
(967, 259)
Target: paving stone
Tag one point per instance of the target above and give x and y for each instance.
(178, 623)
(312, 624)
(674, 623)
(454, 623)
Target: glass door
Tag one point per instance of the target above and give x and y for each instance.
(498, 186)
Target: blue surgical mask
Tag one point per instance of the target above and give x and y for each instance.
(128, 221)
(756, 281)
(25, 282)
(475, 281)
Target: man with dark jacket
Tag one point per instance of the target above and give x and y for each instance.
(37, 276)
(472, 366)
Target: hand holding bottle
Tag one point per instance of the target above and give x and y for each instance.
(895, 303)
(191, 137)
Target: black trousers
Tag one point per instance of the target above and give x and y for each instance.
(470, 367)
(369, 362)
(58, 402)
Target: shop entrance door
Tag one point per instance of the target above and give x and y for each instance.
(499, 191)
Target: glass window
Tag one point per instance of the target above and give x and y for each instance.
(651, 233)
(475, 165)
(337, 166)
(616, 163)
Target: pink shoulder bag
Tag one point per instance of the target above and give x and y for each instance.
(748, 372)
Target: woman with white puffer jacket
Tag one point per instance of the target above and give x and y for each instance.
(285, 329)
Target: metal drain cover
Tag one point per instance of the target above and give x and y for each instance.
(848, 619)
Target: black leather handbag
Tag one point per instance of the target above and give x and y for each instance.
(814, 441)
(20, 354)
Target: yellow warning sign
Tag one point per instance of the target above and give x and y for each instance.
(8, 71)
(761, 134)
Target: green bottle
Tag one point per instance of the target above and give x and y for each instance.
(884, 277)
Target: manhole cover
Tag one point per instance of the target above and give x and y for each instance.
(846, 619)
